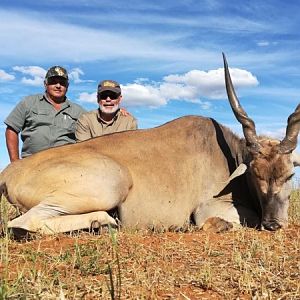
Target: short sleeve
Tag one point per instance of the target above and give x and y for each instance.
(134, 124)
(78, 110)
(82, 131)
(16, 119)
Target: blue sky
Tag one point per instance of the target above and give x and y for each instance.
(167, 55)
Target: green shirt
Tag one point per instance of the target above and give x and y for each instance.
(90, 125)
(41, 125)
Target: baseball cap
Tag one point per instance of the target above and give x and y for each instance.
(57, 71)
(109, 85)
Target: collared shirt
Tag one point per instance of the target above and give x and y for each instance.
(90, 125)
(41, 125)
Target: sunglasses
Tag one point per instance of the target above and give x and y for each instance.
(111, 95)
(56, 80)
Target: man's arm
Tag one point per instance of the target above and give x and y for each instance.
(15, 122)
(12, 143)
(82, 131)
(134, 124)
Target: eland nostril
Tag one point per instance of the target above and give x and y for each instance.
(271, 226)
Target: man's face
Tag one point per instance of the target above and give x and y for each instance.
(109, 102)
(56, 87)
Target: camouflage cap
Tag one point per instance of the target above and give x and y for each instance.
(109, 85)
(57, 71)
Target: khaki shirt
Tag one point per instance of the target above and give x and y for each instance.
(41, 125)
(90, 125)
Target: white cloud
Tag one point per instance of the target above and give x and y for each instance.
(141, 80)
(209, 84)
(89, 98)
(46, 39)
(205, 105)
(137, 94)
(190, 87)
(178, 91)
(5, 76)
(266, 43)
(75, 74)
(263, 43)
(278, 133)
(36, 73)
(242, 78)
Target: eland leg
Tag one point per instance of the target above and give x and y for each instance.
(49, 220)
(220, 215)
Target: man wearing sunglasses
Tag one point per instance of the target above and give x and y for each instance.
(108, 118)
(43, 120)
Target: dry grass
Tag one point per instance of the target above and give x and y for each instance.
(244, 264)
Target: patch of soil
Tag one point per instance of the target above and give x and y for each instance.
(244, 264)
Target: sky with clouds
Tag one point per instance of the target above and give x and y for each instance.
(167, 55)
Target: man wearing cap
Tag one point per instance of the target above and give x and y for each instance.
(43, 120)
(108, 118)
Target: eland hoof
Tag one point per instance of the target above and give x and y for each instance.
(216, 224)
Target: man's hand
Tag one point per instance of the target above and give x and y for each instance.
(124, 112)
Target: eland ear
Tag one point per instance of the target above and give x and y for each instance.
(296, 158)
(240, 170)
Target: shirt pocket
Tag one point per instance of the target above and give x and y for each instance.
(40, 117)
(69, 121)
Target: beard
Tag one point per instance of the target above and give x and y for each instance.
(109, 110)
